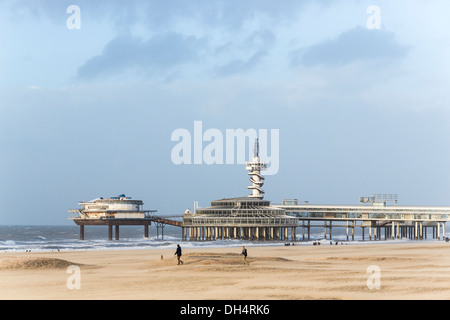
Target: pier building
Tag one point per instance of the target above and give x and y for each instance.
(120, 207)
(377, 217)
(250, 217)
(115, 212)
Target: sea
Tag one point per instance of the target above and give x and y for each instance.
(22, 238)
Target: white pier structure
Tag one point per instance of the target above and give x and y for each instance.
(239, 218)
(377, 221)
(378, 216)
(115, 212)
(120, 207)
(248, 217)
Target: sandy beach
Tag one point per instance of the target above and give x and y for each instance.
(369, 271)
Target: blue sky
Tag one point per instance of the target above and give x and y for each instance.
(89, 112)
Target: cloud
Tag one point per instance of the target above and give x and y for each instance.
(239, 66)
(167, 53)
(256, 47)
(357, 44)
(161, 53)
(155, 13)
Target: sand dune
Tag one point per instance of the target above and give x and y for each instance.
(33, 263)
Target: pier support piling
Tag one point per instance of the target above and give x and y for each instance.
(146, 231)
(81, 232)
(117, 232)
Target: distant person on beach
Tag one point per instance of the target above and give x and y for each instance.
(178, 253)
(244, 255)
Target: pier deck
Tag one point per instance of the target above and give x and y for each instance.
(115, 224)
(386, 223)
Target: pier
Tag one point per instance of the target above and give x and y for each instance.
(374, 229)
(375, 218)
(118, 211)
(420, 224)
(113, 225)
(241, 233)
(253, 218)
(386, 229)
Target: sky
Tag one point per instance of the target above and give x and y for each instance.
(90, 98)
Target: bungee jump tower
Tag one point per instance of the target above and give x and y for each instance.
(250, 218)
(256, 178)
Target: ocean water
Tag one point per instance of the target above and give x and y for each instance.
(66, 238)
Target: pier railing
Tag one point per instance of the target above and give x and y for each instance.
(190, 221)
(370, 216)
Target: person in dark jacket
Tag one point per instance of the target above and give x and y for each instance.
(178, 253)
(244, 255)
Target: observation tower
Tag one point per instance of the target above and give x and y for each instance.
(255, 167)
(251, 217)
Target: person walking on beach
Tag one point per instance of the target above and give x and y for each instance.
(244, 255)
(178, 253)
